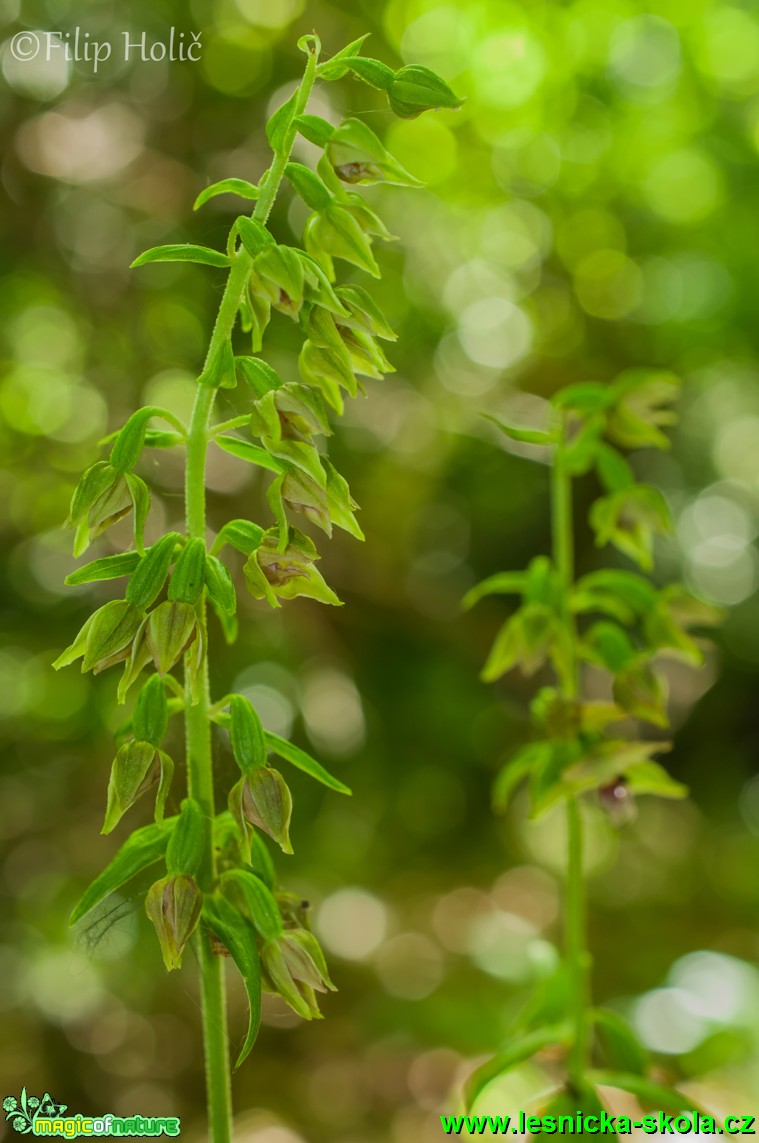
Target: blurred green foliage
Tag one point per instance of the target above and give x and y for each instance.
(591, 208)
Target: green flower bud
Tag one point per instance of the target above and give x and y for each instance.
(136, 767)
(292, 411)
(187, 843)
(138, 659)
(323, 505)
(416, 89)
(367, 359)
(255, 312)
(640, 411)
(279, 272)
(255, 237)
(629, 519)
(247, 735)
(258, 374)
(334, 233)
(327, 370)
(279, 978)
(302, 494)
(369, 221)
(106, 637)
(130, 441)
(102, 497)
(220, 587)
(94, 483)
(171, 628)
(148, 578)
(188, 577)
(305, 959)
(131, 774)
(267, 803)
(174, 905)
(151, 714)
(363, 313)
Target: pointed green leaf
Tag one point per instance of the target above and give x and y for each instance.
(304, 762)
(239, 187)
(140, 494)
(163, 438)
(185, 252)
(308, 185)
(130, 439)
(280, 125)
(336, 66)
(250, 452)
(526, 436)
(238, 936)
(502, 583)
(257, 902)
(145, 846)
(110, 567)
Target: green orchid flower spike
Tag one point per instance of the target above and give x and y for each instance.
(215, 883)
(618, 621)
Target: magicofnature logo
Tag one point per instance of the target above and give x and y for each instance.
(27, 1109)
(31, 1115)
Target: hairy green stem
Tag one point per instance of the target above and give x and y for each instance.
(198, 714)
(574, 909)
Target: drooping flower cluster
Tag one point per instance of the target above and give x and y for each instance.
(618, 622)
(218, 873)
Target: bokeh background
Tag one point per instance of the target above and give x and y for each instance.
(593, 207)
